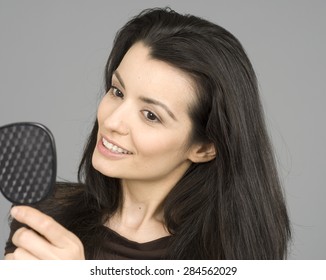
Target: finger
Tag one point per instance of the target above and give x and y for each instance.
(22, 254)
(9, 256)
(43, 224)
(33, 243)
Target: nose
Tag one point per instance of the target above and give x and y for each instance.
(117, 121)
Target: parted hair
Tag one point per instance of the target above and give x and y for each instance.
(233, 206)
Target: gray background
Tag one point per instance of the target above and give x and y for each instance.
(52, 56)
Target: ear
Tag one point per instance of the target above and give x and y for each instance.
(202, 152)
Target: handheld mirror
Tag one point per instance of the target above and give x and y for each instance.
(27, 162)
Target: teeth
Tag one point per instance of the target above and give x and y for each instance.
(114, 148)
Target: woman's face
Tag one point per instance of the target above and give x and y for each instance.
(144, 125)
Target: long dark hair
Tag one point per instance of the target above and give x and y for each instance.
(231, 207)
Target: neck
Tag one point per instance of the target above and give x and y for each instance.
(144, 200)
(141, 216)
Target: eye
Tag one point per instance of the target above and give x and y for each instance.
(116, 92)
(150, 116)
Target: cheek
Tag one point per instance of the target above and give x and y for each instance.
(161, 144)
(102, 108)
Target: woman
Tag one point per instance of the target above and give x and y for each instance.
(178, 164)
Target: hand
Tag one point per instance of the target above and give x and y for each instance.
(46, 240)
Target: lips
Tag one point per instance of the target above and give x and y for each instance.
(114, 148)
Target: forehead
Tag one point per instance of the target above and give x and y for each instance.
(149, 77)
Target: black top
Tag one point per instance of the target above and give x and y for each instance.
(117, 247)
(100, 242)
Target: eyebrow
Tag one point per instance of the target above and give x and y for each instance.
(147, 99)
(117, 74)
(158, 103)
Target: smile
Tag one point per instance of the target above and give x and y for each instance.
(113, 148)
